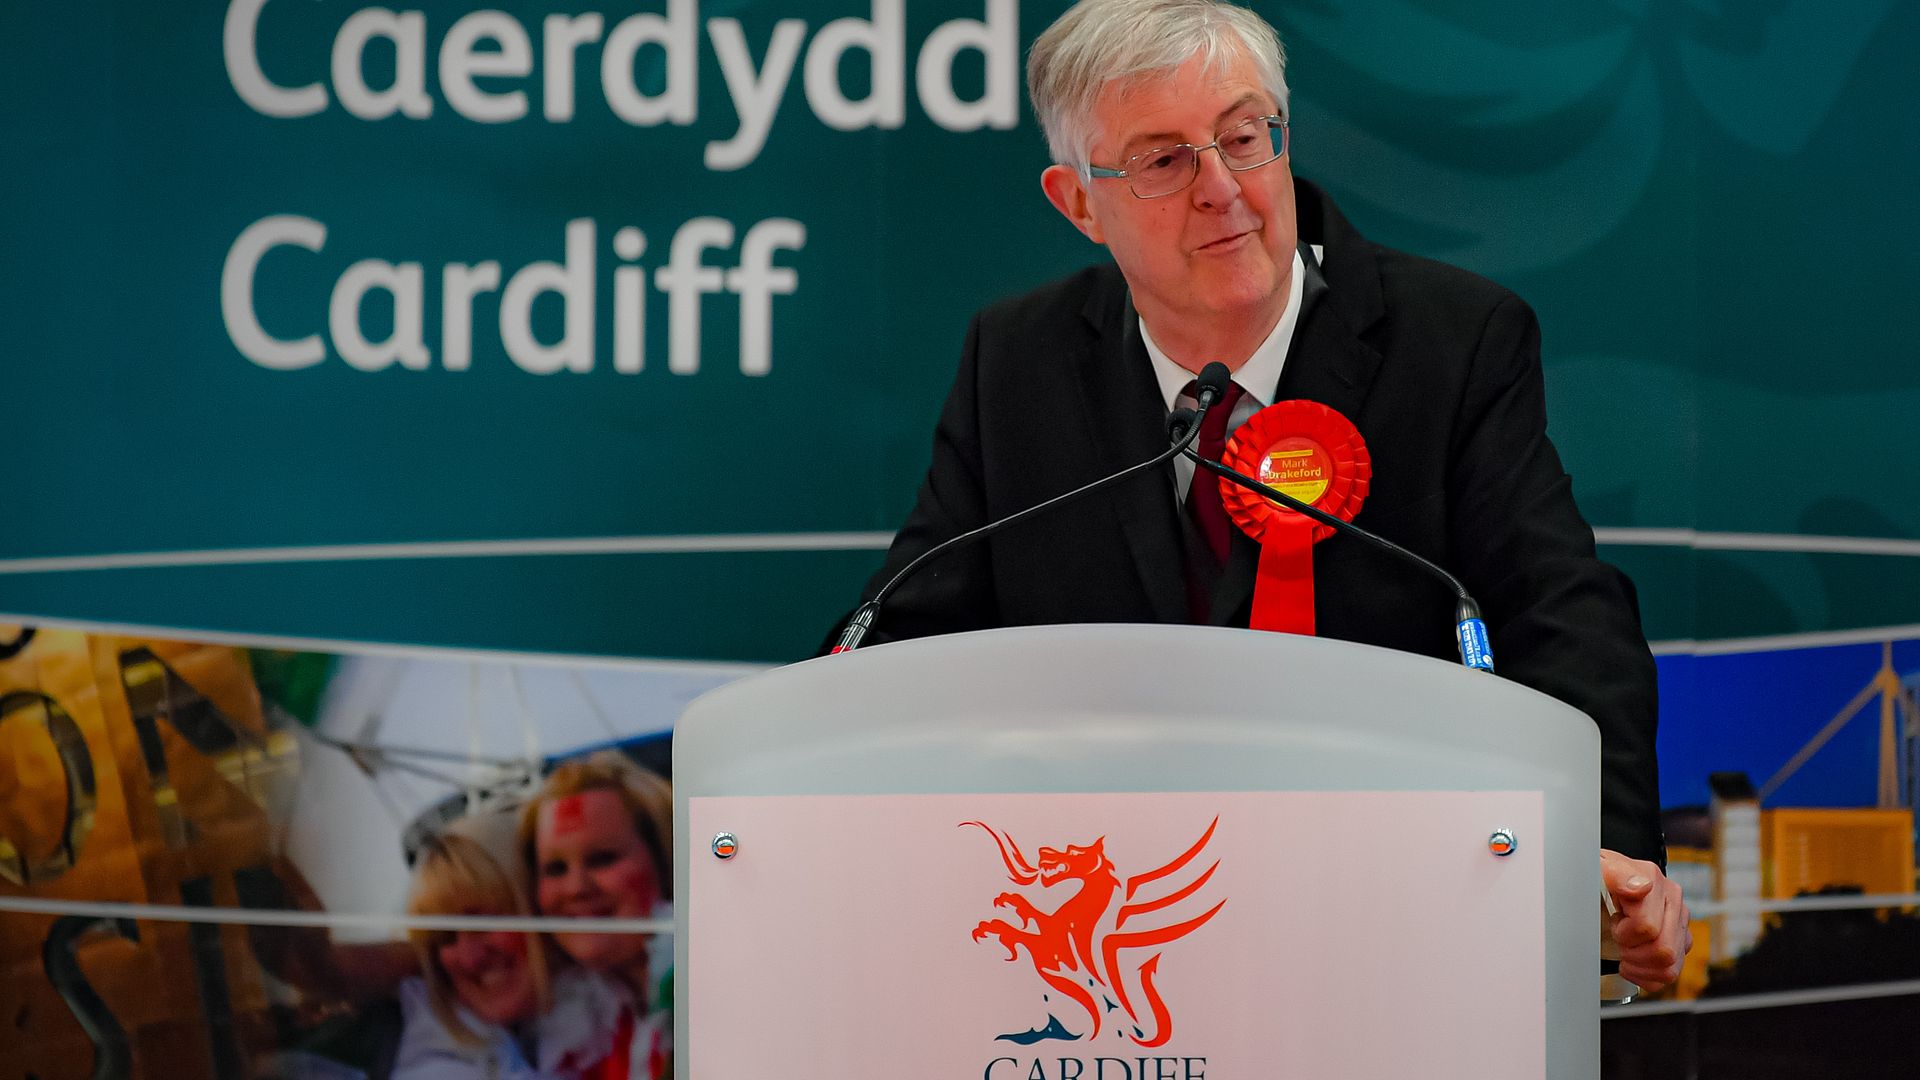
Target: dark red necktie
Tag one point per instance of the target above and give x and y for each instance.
(1204, 507)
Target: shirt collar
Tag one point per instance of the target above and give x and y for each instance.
(1259, 377)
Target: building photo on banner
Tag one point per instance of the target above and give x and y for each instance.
(416, 407)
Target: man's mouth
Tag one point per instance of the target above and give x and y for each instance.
(1225, 242)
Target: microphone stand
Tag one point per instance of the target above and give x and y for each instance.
(1213, 381)
(1470, 630)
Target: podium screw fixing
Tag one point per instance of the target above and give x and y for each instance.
(1502, 843)
(725, 846)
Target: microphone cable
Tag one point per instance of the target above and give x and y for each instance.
(1470, 629)
(1213, 382)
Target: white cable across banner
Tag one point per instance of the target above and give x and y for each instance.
(1701, 909)
(1746, 541)
(818, 541)
(459, 549)
(1774, 999)
(103, 909)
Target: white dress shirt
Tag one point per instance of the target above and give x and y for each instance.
(1258, 377)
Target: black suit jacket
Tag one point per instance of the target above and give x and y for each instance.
(1438, 368)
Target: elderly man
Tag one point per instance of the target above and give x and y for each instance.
(1167, 123)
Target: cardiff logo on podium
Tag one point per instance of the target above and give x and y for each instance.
(1085, 949)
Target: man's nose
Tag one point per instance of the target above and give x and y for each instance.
(1216, 186)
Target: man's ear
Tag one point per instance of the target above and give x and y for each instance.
(1068, 194)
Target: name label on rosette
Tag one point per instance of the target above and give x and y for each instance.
(1310, 453)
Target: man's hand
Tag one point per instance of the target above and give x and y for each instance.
(1651, 928)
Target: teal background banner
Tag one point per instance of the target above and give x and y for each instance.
(678, 286)
(619, 328)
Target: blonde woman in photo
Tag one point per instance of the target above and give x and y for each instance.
(596, 842)
(472, 1011)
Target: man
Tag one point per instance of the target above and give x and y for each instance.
(1166, 122)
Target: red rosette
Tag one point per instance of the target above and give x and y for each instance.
(1311, 452)
(1304, 449)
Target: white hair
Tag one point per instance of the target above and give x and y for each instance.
(1101, 42)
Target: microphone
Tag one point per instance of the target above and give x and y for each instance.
(1179, 422)
(1183, 427)
(1212, 384)
(1470, 630)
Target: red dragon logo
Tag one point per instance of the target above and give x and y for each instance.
(1076, 948)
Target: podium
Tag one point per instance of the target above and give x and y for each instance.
(1107, 852)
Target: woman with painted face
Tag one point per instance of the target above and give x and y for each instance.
(595, 840)
(471, 1012)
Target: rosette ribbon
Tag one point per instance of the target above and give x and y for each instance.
(1308, 451)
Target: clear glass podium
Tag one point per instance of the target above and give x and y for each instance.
(1134, 853)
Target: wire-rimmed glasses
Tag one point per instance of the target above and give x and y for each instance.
(1167, 169)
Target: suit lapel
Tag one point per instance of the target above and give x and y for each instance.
(1127, 418)
(1326, 362)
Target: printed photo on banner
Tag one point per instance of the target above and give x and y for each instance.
(311, 803)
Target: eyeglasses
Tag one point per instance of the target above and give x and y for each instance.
(1167, 169)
